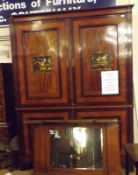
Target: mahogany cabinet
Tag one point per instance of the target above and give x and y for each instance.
(58, 59)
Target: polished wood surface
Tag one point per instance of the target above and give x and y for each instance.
(111, 150)
(70, 45)
(26, 118)
(77, 46)
(41, 87)
(100, 35)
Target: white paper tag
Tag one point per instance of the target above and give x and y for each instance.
(110, 82)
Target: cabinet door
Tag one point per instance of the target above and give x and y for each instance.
(40, 63)
(102, 44)
(25, 127)
(90, 148)
(122, 115)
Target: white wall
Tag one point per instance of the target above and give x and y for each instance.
(135, 67)
(5, 31)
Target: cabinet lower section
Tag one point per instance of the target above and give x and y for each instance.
(76, 147)
(122, 115)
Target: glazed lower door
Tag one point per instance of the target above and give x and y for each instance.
(76, 147)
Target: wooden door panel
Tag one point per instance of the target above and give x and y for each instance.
(109, 148)
(100, 45)
(42, 61)
(42, 81)
(122, 115)
(26, 138)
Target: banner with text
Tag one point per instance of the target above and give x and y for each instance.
(15, 7)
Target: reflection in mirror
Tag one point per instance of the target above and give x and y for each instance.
(76, 147)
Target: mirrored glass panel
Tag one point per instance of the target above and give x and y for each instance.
(76, 147)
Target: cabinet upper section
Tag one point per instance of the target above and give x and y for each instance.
(59, 58)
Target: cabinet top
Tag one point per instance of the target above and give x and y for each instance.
(72, 14)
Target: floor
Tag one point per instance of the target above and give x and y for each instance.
(6, 172)
(29, 172)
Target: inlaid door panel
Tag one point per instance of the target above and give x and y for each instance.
(100, 45)
(42, 63)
